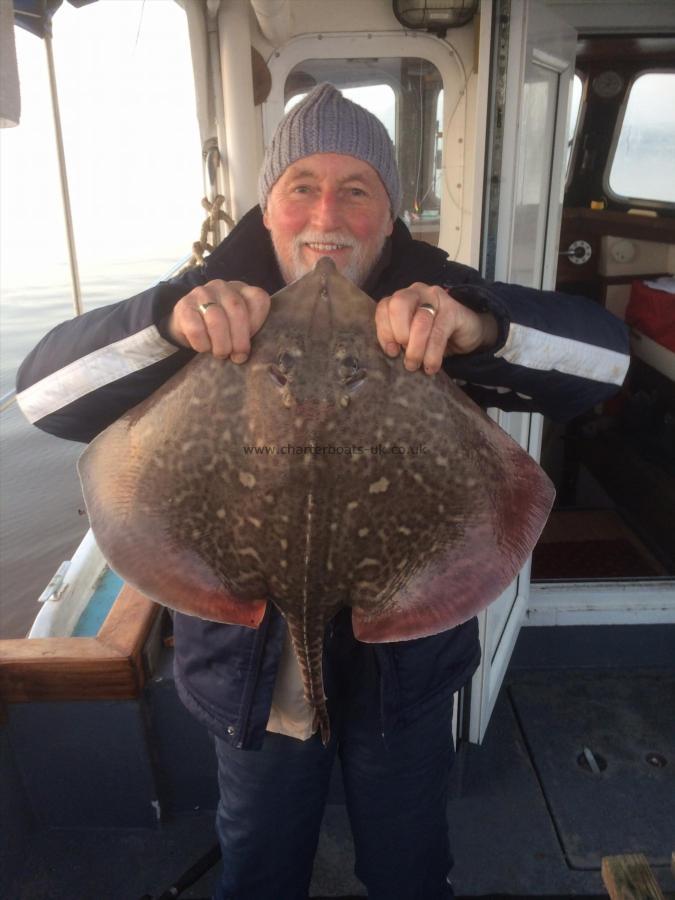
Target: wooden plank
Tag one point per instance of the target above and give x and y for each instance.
(129, 622)
(35, 651)
(127, 628)
(73, 679)
(629, 877)
(619, 224)
(605, 49)
(108, 666)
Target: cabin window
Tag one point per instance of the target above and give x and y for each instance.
(126, 93)
(573, 120)
(406, 94)
(642, 167)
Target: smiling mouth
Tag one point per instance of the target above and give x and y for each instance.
(321, 247)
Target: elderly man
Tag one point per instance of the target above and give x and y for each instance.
(329, 187)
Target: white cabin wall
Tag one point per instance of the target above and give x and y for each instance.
(309, 16)
(243, 146)
(477, 67)
(646, 257)
(671, 259)
(260, 43)
(459, 152)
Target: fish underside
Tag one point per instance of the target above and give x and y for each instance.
(318, 475)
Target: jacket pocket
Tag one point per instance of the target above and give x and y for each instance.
(427, 668)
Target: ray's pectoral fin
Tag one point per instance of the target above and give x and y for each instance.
(180, 579)
(476, 564)
(137, 541)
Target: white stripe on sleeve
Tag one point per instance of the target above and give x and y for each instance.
(93, 371)
(538, 350)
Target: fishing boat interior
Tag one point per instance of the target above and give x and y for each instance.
(536, 143)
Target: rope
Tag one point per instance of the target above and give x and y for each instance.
(209, 226)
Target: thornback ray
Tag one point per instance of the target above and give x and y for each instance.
(319, 474)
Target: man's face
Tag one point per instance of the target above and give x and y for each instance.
(332, 205)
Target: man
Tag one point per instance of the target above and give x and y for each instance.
(329, 187)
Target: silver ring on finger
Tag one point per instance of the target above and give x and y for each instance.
(428, 307)
(202, 307)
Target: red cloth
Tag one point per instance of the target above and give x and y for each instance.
(653, 313)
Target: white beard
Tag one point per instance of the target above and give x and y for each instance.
(358, 266)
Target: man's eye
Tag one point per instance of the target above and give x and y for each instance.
(357, 192)
(301, 189)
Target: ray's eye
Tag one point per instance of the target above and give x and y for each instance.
(277, 376)
(285, 361)
(349, 365)
(356, 380)
(351, 373)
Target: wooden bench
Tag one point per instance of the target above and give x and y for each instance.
(629, 877)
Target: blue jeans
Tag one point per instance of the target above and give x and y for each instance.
(272, 800)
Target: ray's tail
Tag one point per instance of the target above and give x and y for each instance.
(309, 652)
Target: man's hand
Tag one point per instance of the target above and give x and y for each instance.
(231, 313)
(428, 336)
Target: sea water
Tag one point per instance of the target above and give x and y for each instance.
(42, 516)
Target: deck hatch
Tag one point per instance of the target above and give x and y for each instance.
(626, 718)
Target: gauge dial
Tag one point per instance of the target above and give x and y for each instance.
(579, 252)
(607, 84)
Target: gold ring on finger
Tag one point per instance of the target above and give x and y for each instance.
(202, 307)
(427, 307)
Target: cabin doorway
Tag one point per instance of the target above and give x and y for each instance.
(614, 468)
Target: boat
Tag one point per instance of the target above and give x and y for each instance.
(533, 159)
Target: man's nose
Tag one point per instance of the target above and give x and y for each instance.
(326, 212)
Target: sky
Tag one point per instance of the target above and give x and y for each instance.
(132, 145)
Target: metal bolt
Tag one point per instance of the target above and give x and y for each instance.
(656, 759)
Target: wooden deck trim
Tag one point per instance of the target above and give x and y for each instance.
(106, 667)
(629, 877)
(620, 224)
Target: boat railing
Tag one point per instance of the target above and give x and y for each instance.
(113, 664)
(54, 662)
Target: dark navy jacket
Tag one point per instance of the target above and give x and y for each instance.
(556, 354)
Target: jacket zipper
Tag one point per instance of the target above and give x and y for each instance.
(253, 677)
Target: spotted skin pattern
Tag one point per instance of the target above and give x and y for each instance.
(424, 514)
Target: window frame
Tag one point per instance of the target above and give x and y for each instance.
(345, 45)
(579, 125)
(624, 200)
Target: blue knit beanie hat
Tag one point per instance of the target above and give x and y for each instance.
(326, 122)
